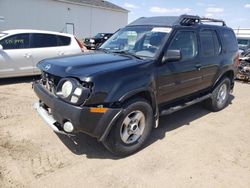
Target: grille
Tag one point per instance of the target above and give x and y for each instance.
(50, 82)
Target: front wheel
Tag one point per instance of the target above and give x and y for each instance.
(132, 129)
(220, 95)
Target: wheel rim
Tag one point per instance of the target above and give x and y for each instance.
(222, 94)
(132, 127)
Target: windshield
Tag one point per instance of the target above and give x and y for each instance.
(142, 41)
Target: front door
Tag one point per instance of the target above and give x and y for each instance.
(15, 57)
(180, 78)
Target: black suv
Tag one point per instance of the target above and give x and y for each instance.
(97, 40)
(152, 67)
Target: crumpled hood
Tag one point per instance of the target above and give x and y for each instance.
(85, 65)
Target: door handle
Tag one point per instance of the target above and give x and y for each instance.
(27, 55)
(60, 53)
(198, 66)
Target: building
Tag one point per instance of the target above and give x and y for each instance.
(242, 32)
(83, 18)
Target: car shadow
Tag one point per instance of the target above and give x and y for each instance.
(82, 144)
(18, 80)
(243, 81)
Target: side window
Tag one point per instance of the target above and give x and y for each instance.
(63, 41)
(210, 44)
(43, 40)
(19, 41)
(186, 42)
(207, 44)
(229, 40)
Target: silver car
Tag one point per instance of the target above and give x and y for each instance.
(21, 50)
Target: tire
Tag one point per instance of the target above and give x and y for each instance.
(220, 95)
(127, 136)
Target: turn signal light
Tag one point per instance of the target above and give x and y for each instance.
(98, 110)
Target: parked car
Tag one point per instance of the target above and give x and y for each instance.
(97, 40)
(244, 68)
(244, 44)
(152, 67)
(21, 50)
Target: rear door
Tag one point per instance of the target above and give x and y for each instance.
(45, 46)
(180, 78)
(210, 56)
(15, 58)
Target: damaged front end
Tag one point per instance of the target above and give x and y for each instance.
(61, 106)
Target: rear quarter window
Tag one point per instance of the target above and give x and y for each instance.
(229, 40)
(63, 40)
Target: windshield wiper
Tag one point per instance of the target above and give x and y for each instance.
(125, 52)
(104, 50)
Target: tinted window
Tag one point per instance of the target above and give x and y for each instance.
(63, 41)
(210, 44)
(207, 43)
(186, 42)
(43, 40)
(19, 41)
(229, 40)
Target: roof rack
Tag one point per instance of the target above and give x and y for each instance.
(188, 20)
(203, 19)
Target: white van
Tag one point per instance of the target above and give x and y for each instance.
(21, 50)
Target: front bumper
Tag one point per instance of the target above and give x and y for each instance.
(83, 119)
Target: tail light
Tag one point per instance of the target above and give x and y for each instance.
(80, 45)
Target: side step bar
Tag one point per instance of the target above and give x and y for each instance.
(187, 104)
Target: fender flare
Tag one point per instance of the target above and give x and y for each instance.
(222, 74)
(127, 96)
(150, 91)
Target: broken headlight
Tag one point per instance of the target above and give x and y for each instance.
(70, 90)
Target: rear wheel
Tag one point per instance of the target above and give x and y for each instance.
(220, 95)
(132, 129)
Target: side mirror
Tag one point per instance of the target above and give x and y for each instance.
(171, 55)
(1, 47)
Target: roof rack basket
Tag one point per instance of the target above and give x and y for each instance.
(188, 20)
(203, 19)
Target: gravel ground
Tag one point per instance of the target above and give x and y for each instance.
(191, 148)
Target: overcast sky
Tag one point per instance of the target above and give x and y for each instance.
(236, 13)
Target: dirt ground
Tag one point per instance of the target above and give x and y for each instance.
(191, 148)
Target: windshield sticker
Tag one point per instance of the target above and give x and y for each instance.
(162, 29)
(14, 41)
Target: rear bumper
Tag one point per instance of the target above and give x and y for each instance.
(83, 120)
(90, 45)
